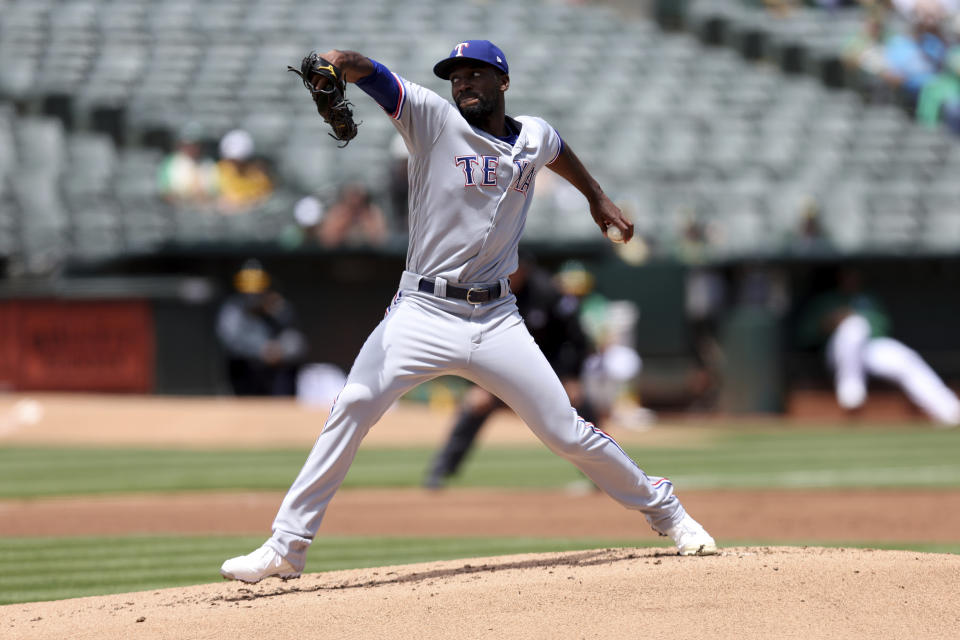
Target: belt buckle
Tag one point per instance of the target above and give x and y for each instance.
(479, 291)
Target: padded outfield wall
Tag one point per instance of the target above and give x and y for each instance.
(145, 324)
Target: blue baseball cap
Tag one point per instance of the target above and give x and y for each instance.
(479, 50)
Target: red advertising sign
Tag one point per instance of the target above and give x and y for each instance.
(77, 345)
(9, 339)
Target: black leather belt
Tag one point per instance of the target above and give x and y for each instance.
(473, 295)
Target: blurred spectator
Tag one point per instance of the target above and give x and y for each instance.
(809, 236)
(257, 328)
(242, 179)
(914, 58)
(834, 4)
(778, 7)
(187, 176)
(865, 50)
(552, 319)
(785, 7)
(399, 185)
(308, 212)
(695, 242)
(853, 328)
(939, 101)
(902, 54)
(917, 10)
(353, 220)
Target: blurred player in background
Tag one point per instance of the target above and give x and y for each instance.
(553, 320)
(854, 328)
(610, 373)
(257, 329)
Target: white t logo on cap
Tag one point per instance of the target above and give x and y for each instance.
(460, 47)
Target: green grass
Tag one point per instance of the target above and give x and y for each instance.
(745, 458)
(31, 472)
(823, 459)
(56, 568)
(759, 456)
(39, 569)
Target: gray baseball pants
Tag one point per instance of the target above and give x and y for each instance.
(422, 337)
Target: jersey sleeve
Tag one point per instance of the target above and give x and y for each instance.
(385, 87)
(543, 139)
(554, 141)
(418, 113)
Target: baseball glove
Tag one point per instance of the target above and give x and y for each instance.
(330, 98)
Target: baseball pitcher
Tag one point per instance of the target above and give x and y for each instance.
(472, 171)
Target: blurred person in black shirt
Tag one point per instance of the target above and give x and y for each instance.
(257, 328)
(552, 318)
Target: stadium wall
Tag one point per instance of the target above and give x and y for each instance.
(146, 324)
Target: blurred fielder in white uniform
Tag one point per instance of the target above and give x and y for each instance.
(858, 347)
(471, 176)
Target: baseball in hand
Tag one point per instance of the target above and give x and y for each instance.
(614, 234)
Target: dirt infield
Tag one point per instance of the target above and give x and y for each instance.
(835, 517)
(90, 420)
(782, 592)
(96, 420)
(623, 593)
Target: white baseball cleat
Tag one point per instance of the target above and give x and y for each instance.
(691, 538)
(254, 567)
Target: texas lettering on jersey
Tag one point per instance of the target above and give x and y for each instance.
(488, 172)
(488, 169)
(525, 171)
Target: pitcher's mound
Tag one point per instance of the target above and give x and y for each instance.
(780, 592)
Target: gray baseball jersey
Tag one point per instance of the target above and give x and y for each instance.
(469, 190)
(469, 194)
